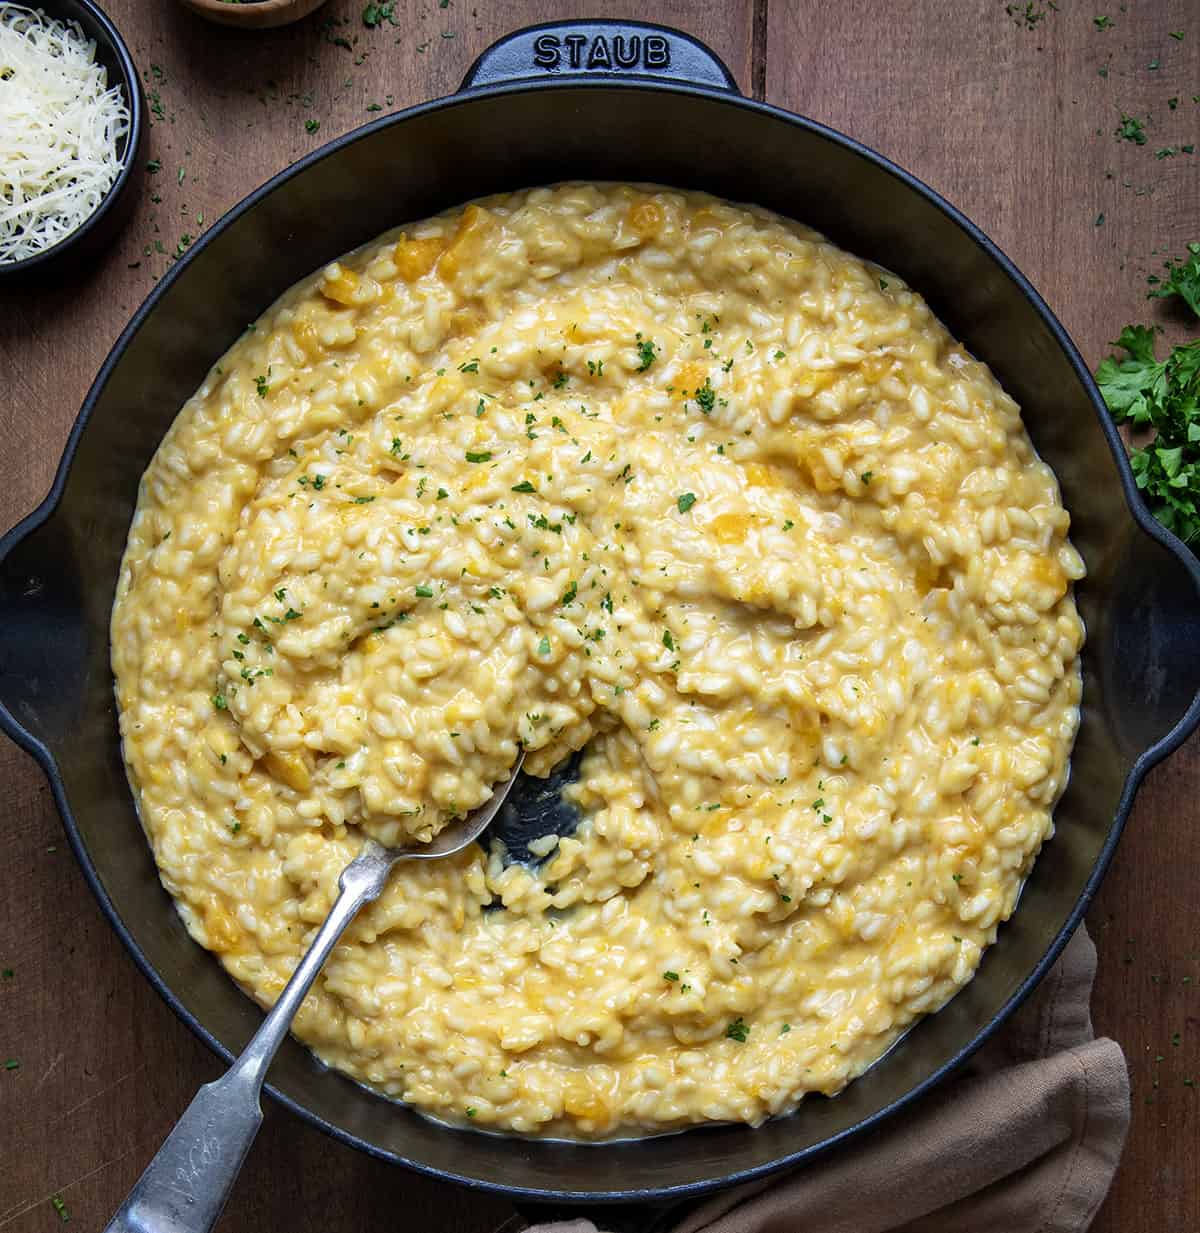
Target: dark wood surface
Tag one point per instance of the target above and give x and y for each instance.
(1011, 116)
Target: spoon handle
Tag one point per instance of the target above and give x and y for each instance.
(185, 1186)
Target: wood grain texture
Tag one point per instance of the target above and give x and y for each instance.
(1014, 124)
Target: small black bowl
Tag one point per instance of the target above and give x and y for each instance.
(101, 227)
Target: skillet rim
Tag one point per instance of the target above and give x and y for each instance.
(1137, 510)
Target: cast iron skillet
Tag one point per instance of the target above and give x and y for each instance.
(546, 104)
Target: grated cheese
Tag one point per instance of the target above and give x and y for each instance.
(60, 126)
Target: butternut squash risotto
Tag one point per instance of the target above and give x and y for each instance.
(646, 472)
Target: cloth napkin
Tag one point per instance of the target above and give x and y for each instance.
(1025, 1139)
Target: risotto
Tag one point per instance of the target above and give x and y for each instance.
(639, 471)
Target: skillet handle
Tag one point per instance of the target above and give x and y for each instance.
(626, 50)
(43, 638)
(1149, 638)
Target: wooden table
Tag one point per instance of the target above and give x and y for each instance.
(1011, 115)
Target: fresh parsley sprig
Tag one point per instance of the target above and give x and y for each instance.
(1162, 397)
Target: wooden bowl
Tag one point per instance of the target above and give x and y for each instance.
(253, 14)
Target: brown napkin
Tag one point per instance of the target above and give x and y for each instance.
(1025, 1140)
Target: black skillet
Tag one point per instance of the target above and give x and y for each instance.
(600, 101)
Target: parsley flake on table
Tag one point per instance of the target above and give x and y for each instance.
(1182, 279)
(1103, 23)
(1131, 129)
(376, 14)
(1163, 398)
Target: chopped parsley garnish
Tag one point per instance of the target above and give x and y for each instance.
(219, 701)
(667, 640)
(481, 456)
(738, 1030)
(568, 596)
(473, 366)
(524, 486)
(670, 976)
(706, 397)
(647, 353)
(424, 592)
(311, 126)
(363, 500)
(685, 501)
(262, 385)
(544, 646)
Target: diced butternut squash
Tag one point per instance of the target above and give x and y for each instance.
(731, 528)
(474, 229)
(224, 933)
(339, 284)
(646, 218)
(415, 258)
(289, 768)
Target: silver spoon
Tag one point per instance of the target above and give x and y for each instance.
(184, 1187)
